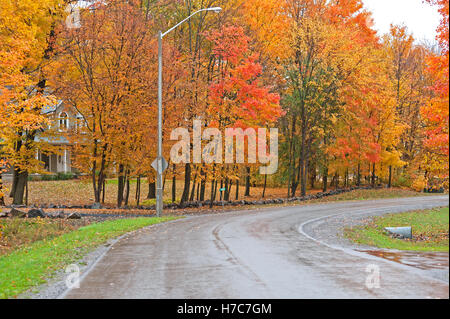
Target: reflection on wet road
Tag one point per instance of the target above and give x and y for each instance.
(421, 260)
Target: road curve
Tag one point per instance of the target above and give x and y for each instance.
(262, 254)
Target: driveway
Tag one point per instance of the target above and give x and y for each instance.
(272, 253)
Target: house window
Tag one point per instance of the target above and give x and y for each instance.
(80, 123)
(63, 121)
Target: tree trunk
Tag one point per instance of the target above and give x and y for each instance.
(14, 182)
(212, 195)
(120, 185)
(194, 181)
(18, 195)
(94, 172)
(215, 190)
(198, 192)
(187, 183)
(294, 188)
(303, 146)
(373, 175)
(302, 163)
(174, 184)
(151, 190)
(390, 177)
(247, 182)
(127, 196)
(26, 192)
(292, 160)
(265, 185)
(101, 176)
(325, 180)
(228, 189)
(237, 190)
(220, 189)
(138, 190)
(358, 176)
(202, 190)
(313, 176)
(104, 191)
(191, 198)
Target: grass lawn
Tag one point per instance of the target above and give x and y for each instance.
(18, 232)
(430, 231)
(30, 265)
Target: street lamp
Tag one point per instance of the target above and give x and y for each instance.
(160, 163)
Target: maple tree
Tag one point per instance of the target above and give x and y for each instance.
(436, 112)
(26, 33)
(237, 96)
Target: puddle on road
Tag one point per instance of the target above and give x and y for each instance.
(421, 260)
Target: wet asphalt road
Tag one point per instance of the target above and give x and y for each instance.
(263, 254)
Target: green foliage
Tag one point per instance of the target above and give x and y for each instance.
(402, 181)
(152, 202)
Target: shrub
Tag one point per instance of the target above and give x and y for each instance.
(402, 181)
(419, 184)
(53, 177)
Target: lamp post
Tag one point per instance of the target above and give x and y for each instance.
(161, 164)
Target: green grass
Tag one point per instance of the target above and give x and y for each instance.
(430, 231)
(152, 202)
(114, 181)
(18, 232)
(30, 265)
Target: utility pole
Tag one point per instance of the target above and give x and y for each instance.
(160, 164)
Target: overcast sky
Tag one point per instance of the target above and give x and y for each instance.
(420, 18)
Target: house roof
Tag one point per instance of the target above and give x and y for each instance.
(47, 109)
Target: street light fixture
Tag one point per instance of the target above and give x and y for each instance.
(160, 163)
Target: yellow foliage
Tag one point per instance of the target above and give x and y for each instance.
(419, 184)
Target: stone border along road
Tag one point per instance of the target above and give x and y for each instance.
(200, 204)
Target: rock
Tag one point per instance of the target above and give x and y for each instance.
(96, 206)
(74, 216)
(15, 213)
(56, 215)
(18, 206)
(35, 213)
(400, 232)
